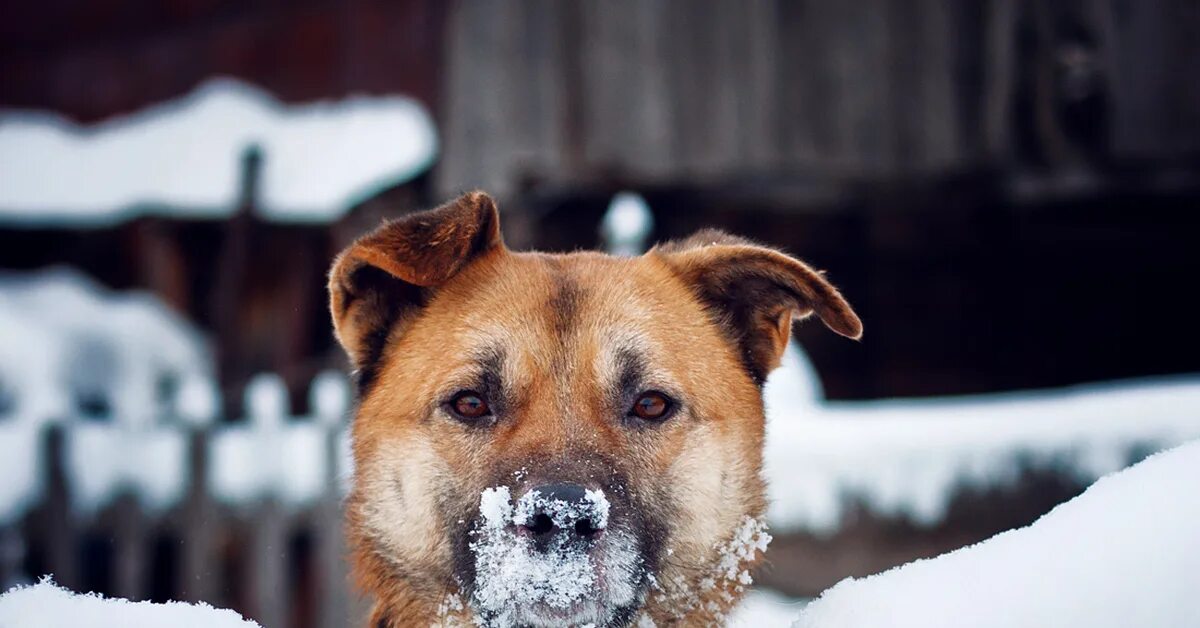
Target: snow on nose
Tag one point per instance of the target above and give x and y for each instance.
(558, 509)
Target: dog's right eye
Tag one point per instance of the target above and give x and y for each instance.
(652, 406)
(469, 405)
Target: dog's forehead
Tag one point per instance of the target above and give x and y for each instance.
(561, 297)
(564, 310)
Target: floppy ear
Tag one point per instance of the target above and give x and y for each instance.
(387, 275)
(754, 293)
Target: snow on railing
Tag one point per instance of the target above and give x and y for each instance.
(20, 466)
(270, 454)
(256, 481)
(909, 458)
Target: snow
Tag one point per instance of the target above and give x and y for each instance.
(563, 513)
(513, 577)
(184, 157)
(749, 539)
(1124, 553)
(269, 455)
(627, 224)
(102, 461)
(129, 380)
(495, 506)
(31, 358)
(72, 340)
(70, 349)
(21, 467)
(765, 609)
(511, 573)
(45, 605)
(329, 396)
(198, 400)
(908, 458)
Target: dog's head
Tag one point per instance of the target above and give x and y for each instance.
(560, 439)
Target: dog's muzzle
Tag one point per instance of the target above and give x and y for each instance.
(551, 558)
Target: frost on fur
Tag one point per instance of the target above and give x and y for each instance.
(714, 594)
(515, 581)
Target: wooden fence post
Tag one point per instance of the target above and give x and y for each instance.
(130, 551)
(268, 565)
(62, 546)
(12, 553)
(199, 527)
(334, 609)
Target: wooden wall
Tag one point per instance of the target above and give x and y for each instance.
(717, 90)
(93, 59)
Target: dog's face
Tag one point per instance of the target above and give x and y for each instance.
(559, 439)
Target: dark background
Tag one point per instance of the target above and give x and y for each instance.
(1005, 190)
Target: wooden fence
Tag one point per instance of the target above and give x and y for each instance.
(244, 513)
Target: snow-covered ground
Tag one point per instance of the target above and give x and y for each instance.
(45, 605)
(1125, 553)
(184, 157)
(908, 458)
(766, 609)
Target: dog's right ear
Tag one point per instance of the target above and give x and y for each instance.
(754, 293)
(387, 275)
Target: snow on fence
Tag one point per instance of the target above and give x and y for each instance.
(243, 513)
(908, 459)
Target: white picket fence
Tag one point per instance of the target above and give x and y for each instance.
(244, 514)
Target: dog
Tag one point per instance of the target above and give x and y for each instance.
(560, 439)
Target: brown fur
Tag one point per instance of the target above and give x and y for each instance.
(426, 304)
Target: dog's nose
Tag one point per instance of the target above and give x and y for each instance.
(567, 509)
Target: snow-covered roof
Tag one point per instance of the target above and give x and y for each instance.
(909, 458)
(183, 158)
(1125, 553)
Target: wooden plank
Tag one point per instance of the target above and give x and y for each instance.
(130, 555)
(12, 554)
(1155, 56)
(685, 90)
(268, 551)
(199, 575)
(332, 567)
(62, 542)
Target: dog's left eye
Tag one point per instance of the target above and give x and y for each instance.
(469, 405)
(652, 406)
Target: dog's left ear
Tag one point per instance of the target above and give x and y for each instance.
(754, 293)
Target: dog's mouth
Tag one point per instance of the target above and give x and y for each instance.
(553, 558)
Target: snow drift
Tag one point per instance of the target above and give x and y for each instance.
(1125, 553)
(44, 605)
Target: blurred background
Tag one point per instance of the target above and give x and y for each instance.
(1006, 190)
